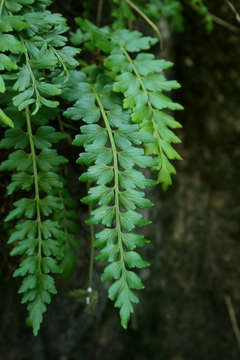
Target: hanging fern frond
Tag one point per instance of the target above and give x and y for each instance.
(112, 156)
(33, 49)
(37, 238)
(141, 80)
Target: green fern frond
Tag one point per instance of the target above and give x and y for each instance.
(141, 80)
(40, 245)
(111, 156)
(29, 99)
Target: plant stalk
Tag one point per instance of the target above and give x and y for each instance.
(35, 176)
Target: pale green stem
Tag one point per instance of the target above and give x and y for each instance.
(146, 18)
(34, 83)
(116, 180)
(92, 253)
(35, 177)
(1, 6)
(60, 59)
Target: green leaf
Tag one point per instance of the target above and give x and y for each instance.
(28, 265)
(23, 80)
(166, 169)
(109, 253)
(14, 138)
(168, 135)
(132, 178)
(115, 288)
(134, 281)
(117, 62)
(128, 83)
(101, 194)
(67, 54)
(22, 181)
(74, 86)
(16, 5)
(125, 312)
(96, 152)
(44, 60)
(160, 101)
(132, 199)
(7, 63)
(102, 215)
(132, 155)
(84, 108)
(36, 309)
(46, 136)
(91, 133)
(49, 181)
(155, 82)
(10, 43)
(133, 41)
(132, 240)
(28, 283)
(4, 118)
(49, 204)
(170, 152)
(103, 236)
(48, 159)
(146, 64)
(25, 95)
(133, 259)
(49, 103)
(10, 23)
(112, 271)
(2, 90)
(98, 36)
(26, 103)
(24, 247)
(49, 264)
(165, 119)
(18, 160)
(13, 6)
(26, 229)
(23, 207)
(130, 219)
(100, 173)
(49, 89)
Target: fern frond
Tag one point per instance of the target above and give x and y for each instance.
(38, 240)
(111, 156)
(32, 47)
(140, 79)
(143, 87)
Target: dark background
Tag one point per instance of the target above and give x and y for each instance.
(195, 234)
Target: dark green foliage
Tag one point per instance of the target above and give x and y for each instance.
(39, 235)
(116, 94)
(37, 238)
